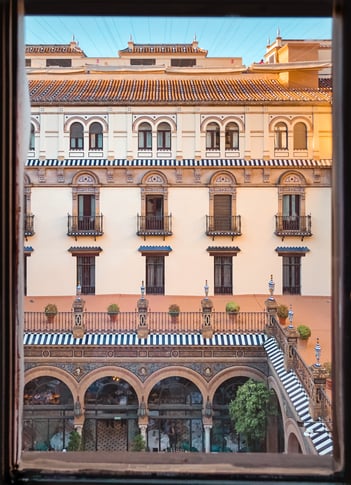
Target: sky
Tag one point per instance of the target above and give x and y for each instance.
(220, 36)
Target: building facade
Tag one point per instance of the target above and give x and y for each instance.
(171, 168)
(164, 159)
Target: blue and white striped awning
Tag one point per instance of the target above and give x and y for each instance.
(152, 339)
(186, 162)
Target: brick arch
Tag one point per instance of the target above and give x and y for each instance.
(292, 434)
(235, 371)
(106, 371)
(55, 373)
(176, 371)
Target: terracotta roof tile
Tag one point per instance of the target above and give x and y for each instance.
(134, 91)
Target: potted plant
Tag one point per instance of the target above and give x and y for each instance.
(232, 308)
(282, 312)
(304, 332)
(50, 311)
(113, 311)
(174, 311)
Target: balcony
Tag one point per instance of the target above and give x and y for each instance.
(151, 225)
(28, 225)
(158, 322)
(293, 226)
(223, 226)
(85, 226)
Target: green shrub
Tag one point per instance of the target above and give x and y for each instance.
(174, 309)
(138, 443)
(232, 307)
(74, 441)
(304, 332)
(51, 308)
(113, 308)
(282, 311)
(328, 368)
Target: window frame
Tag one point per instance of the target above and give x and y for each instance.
(74, 139)
(12, 22)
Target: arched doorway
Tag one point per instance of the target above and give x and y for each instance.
(223, 436)
(175, 416)
(111, 422)
(48, 416)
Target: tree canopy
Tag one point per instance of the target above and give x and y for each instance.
(250, 408)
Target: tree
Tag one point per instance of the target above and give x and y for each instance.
(138, 443)
(249, 411)
(74, 441)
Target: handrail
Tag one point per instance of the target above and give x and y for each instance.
(157, 322)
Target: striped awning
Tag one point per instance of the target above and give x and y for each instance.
(188, 162)
(152, 339)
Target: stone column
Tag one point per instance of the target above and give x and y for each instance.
(207, 429)
(78, 308)
(143, 305)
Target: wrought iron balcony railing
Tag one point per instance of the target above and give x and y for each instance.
(29, 225)
(157, 322)
(85, 225)
(286, 226)
(151, 225)
(223, 226)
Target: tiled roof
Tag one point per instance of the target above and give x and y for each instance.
(163, 49)
(161, 91)
(167, 249)
(55, 49)
(186, 162)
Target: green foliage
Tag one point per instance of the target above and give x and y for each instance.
(174, 309)
(74, 441)
(304, 332)
(250, 409)
(51, 308)
(232, 307)
(138, 443)
(328, 369)
(282, 311)
(113, 308)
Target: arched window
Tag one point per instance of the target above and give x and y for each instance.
(232, 136)
(163, 136)
(300, 136)
(145, 137)
(95, 137)
(212, 137)
(281, 136)
(32, 137)
(76, 136)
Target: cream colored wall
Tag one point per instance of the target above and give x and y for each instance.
(51, 268)
(120, 267)
(257, 141)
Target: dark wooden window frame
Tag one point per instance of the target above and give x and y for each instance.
(11, 244)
